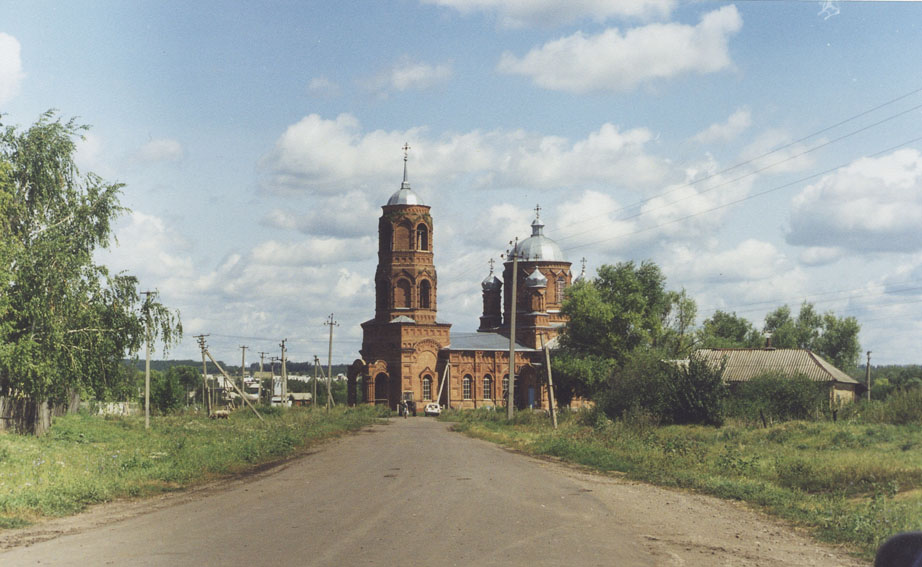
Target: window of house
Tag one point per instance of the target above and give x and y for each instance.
(427, 388)
(561, 286)
(466, 386)
(505, 386)
(487, 387)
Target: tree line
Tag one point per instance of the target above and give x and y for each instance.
(627, 332)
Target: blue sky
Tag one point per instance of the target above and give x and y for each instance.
(762, 153)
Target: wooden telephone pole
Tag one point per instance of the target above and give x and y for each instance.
(206, 399)
(510, 399)
(867, 376)
(259, 383)
(147, 296)
(284, 387)
(314, 383)
(243, 358)
(332, 324)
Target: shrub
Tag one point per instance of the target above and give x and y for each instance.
(671, 393)
(778, 397)
(900, 408)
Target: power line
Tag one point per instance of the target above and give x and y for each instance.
(743, 199)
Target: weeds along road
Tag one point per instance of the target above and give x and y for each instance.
(414, 493)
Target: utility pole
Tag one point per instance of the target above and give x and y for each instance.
(867, 376)
(243, 358)
(206, 399)
(147, 296)
(259, 383)
(332, 324)
(510, 401)
(314, 383)
(284, 387)
(272, 362)
(550, 381)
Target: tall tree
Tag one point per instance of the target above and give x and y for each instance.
(624, 308)
(65, 321)
(834, 338)
(728, 330)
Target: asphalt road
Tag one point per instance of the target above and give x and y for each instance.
(414, 493)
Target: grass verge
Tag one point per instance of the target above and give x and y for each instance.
(87, 459)
(849, 483)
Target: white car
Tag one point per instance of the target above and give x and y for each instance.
(433, 409)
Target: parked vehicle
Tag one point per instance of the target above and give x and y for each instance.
(433, 409)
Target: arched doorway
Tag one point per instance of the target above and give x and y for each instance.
(381, 389)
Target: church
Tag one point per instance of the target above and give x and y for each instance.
(409, 354)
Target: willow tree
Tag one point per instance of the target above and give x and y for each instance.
(66, 322)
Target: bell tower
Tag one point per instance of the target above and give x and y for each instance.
(401, 344)
(405, 281)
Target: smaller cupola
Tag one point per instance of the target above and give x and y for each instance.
(536, 279)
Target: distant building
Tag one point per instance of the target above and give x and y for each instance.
(407, 352)
(744, 364)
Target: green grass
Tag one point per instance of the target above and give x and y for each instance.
(87, 459)
(850, 483)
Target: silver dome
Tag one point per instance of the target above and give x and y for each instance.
(539, 247)
(404, 196)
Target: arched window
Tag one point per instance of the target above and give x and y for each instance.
(487, 387)
(466, 386)
(427, 388)
(402, 295)
(422, 237)
(403, 237)
(425, 292)
(505, 386)
(561, 287)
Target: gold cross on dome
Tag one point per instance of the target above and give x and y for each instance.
(491, 264)
(406, 150)
(537, 211)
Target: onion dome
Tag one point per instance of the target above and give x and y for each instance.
(404, 195)
(539, 247)
(491, 282)
(536, 279)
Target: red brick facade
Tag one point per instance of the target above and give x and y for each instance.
(406, 352)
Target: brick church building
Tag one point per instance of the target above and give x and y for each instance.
(408, 353)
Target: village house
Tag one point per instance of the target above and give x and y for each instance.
(744, 364)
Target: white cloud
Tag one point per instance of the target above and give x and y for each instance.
(313, 251)
(11, 74)
(821, 255)
(612, 61)
(407, 75)
(773, 152)
(735, 125)
(329, 156)
(345, 215)
(322, 86)
(148, 247)
(874, 204)
(160, 149)
(514, 13)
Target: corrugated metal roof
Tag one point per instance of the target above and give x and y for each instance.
(744, 364)
(482, 341)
